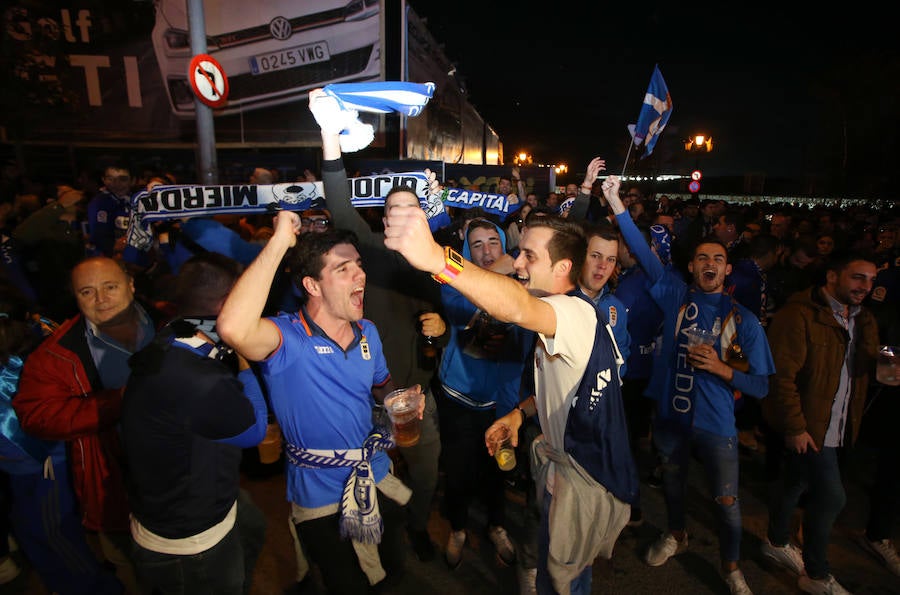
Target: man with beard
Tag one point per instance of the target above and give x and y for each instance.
(695, 386)
(582, 461)
(322, 366)
(826, 343)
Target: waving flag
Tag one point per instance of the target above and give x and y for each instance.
(382, 97)
(655, 113)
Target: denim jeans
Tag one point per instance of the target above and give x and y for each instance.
(817, 474)
(719, 455)
(580, 585)
(224, 569)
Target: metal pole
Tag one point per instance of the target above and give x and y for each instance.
(207, 167)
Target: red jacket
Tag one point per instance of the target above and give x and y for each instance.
(60, 398)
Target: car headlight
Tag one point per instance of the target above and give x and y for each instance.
(177, 39)
(360, 9)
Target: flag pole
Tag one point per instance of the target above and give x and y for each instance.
(627, 155)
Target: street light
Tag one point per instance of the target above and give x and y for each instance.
(699, 142)
(522, 158)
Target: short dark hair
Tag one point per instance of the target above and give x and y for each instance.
(399, 188)
(203, 282)
(480, 223)
(734, 217)
(604, 230)
(710, 239)
(839, 260)
(568, 242)
(538, 211)
(762, 244)
(306, 258)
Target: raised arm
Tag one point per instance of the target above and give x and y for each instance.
(240, 323)
(582, 202)
(630, 233)
(502, 297)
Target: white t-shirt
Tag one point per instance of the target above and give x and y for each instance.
(560, 362)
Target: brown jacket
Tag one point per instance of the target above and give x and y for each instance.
(808, 346)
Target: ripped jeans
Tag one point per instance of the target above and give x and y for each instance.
(719, 455)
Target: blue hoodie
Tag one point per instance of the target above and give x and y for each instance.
(470, 376)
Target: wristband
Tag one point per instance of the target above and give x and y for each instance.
(453, 266)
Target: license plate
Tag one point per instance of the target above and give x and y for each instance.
(290, 58)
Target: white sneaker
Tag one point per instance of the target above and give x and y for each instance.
(736, 583)
(787, 556)
(455, 544)
(664, 548)
(9, 570)
(527, 581)
(506, 551)
(884, 551)
(822, 586)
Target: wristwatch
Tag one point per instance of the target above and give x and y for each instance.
(453, 265)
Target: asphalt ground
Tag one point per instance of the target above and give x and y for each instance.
(695, 571)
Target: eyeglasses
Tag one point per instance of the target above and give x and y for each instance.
(320, 223)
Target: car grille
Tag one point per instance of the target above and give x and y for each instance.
(339, 66)
(260, 32)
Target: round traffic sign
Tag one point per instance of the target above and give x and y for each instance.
(696, 174)
(208, 80)
(694, 186)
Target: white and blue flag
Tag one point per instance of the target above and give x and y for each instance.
(655, 113)
(405, 98)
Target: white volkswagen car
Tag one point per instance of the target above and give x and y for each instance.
(272, 52)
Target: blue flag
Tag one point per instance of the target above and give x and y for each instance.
(655, 113)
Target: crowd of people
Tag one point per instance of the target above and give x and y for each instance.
(595, 323)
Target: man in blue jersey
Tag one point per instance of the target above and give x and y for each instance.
(599, 266)
(322, 366)
(695, 388)
(108, 212)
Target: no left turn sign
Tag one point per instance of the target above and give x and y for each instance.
(208, 80)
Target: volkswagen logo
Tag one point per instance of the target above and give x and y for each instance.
(280, 28)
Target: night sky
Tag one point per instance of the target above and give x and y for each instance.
(783, 90)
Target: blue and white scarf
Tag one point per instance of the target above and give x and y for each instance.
(360, 517)
(385, 97)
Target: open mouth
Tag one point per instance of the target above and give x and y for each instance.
(709, 275)
(356, 297)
